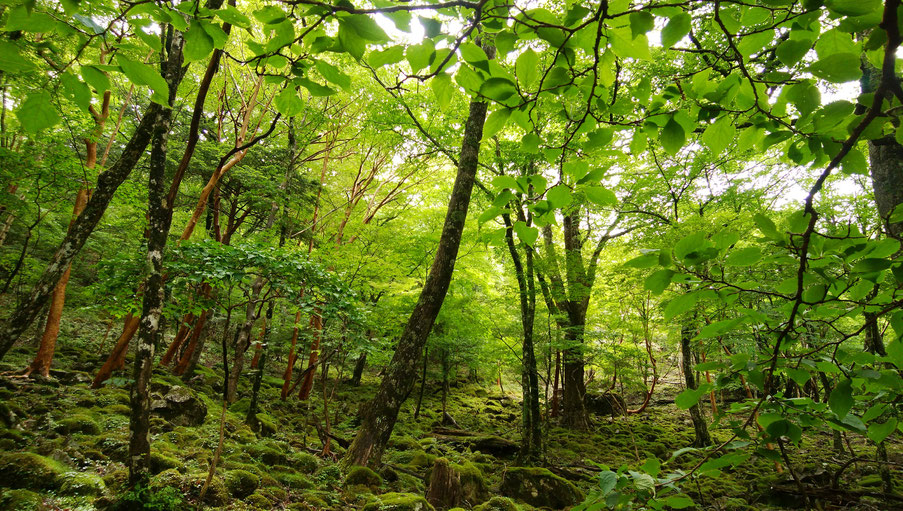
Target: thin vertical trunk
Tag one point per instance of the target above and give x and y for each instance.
(193, 349)
(159, 221)
(379, 415)
(426, 350)
(117, 356)
(287, 375)
(358, 370)
(555, 386)
(316, 327)
(701, 430)
(242, 341)
(251, 419)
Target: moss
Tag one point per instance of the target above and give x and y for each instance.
(116, 478)
(217, 493)
(269, 452)
(312, 500)
(273, 493)
(422, 460)
(293, 480)
(160, 462)
(267, 424)
(78, 423)
(21, 500)
(404, 443)
(539, 487)
(240, 483)
(240, 407)
(257, 500)
(29, 470)
(363, 476)
(79, 483)
(304, 462)
(399, 502)
(497, 504)
(117, 409)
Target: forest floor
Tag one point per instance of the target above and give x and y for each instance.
(64, 446)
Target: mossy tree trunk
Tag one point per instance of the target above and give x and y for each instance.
(379, 415)
(159, 221)
(700, 428)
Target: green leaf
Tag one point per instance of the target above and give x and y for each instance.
(680, 304)
(871, 265)
(854, 163)
(333, 74)
(853, 7)
(600, 196)
(559, 196)
(792, 51)
(364, 27)
(37, 112)
(420, 55)
(444, 89)
(837, 68)
(878, 432)
(288, 103)
(743, 257)
(503, 182)
(841, 399)
(658, 281)
(315, 89)
(676, 29)
(530, 143)
(495, 122)
(96, 78)
(527, 234)
(76, 90)
(678, 502)
(689, 397)
(628, 47)
(607, 482)
(719, 135)
(233, 16)
(198, 43)
(473, 54)
(641, 22)
(11, 61)
(767, 226)
(527, 68)
(673, 136)
(143, 74)
(648, 260)
(390, 55)
(498, 89)
(489, 214)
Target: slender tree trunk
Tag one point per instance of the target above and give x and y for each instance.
(251, 419)
(287, 375)
(159, 221)
(193, 349)
(556, 393)
(44, 357)
(117, 356)
(379, 415)
(700, 428)
(358, 370)
(426, 351)
(242, 342)
(316, 327)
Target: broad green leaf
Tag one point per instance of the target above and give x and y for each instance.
(643, 261)
(805, 97)
(678, 502)
(837, 68)
(530, 143)
(658, 281)
(853, 7)
(495, 122)
(527, 68)
(767, 226)
(689, 244)
(641, 22)
(390, 55)
(497, 89)
(673, 137)
(841, 399)
(364, 27)
(600, 196)
(871, 265)
(219, 36)
(270, 15)
(444, 89)
(420, 55)
(503, 182)
(687, 398)
(315, 89)
(680, 304)
(24, 19)
(676, 29)
(489, 214)
(288, 103)
(607, 482)
(527, 234)
(11, 61)
(77, 91)
(628, 47)
(474, 55)
(743, 257)
(333, 74)
(233, 16)
(559, 196)
(198, 43)
(878, 432)
(37, 112)
(792, 51)
(143, 74)
(95, 78)
(719, 135)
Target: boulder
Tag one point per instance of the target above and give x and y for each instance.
(605, 404)
(539, 488)
(29, 470)
(399, 502)
(180, 406)
(453, 485)
(241, 483)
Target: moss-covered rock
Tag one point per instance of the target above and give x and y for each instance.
(363, 476)
(539, 488)
(497, 504)
(454, 485)
(399, 502)
(304, 462)
(170, 477)
(421, 459)
(293, 480)
(241, 483)
(21, 500)
(78, 423)
(160, 462)
(81, 483)
(258, 501)
(217, 493)
(29, 470)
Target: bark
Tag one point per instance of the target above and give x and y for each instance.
(107, 184)
(701, 430)
(556, 394)
(44, 357)
(243, 340)
(116, 360)
(251, 419)
(422, 382)
(159, 221)
(188, 323)
(358, 370)
(380, 414)
(193, 350)
(287, 375)
(316, 326)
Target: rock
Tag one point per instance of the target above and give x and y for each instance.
(453, 485)
(181, 407)
(21, 500)
(497, 504)
(495, 445)
(78, 483)
(605, 404)
(29, 470)
(160, 462)
(78, 423)
(363, 476)
(241, 483)
(539, 488)
(399, 502)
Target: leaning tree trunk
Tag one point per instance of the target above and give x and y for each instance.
(700, 428)
(251, 418)
(159, 220)
(358, 370)
(243, 341)
(379, 415)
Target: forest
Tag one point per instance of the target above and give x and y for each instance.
(432, 255)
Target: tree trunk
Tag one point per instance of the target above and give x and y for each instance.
(358, 370)
(251, 419)
(193, 348)
(316, 326)
(116, 359)
(159, 221)
(700, 428)
(426, 351)
(44, 357)
(556, 394)
(287, 375)
(242, 342)
(379, 415)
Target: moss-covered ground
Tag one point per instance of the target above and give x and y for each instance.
(64, 446)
